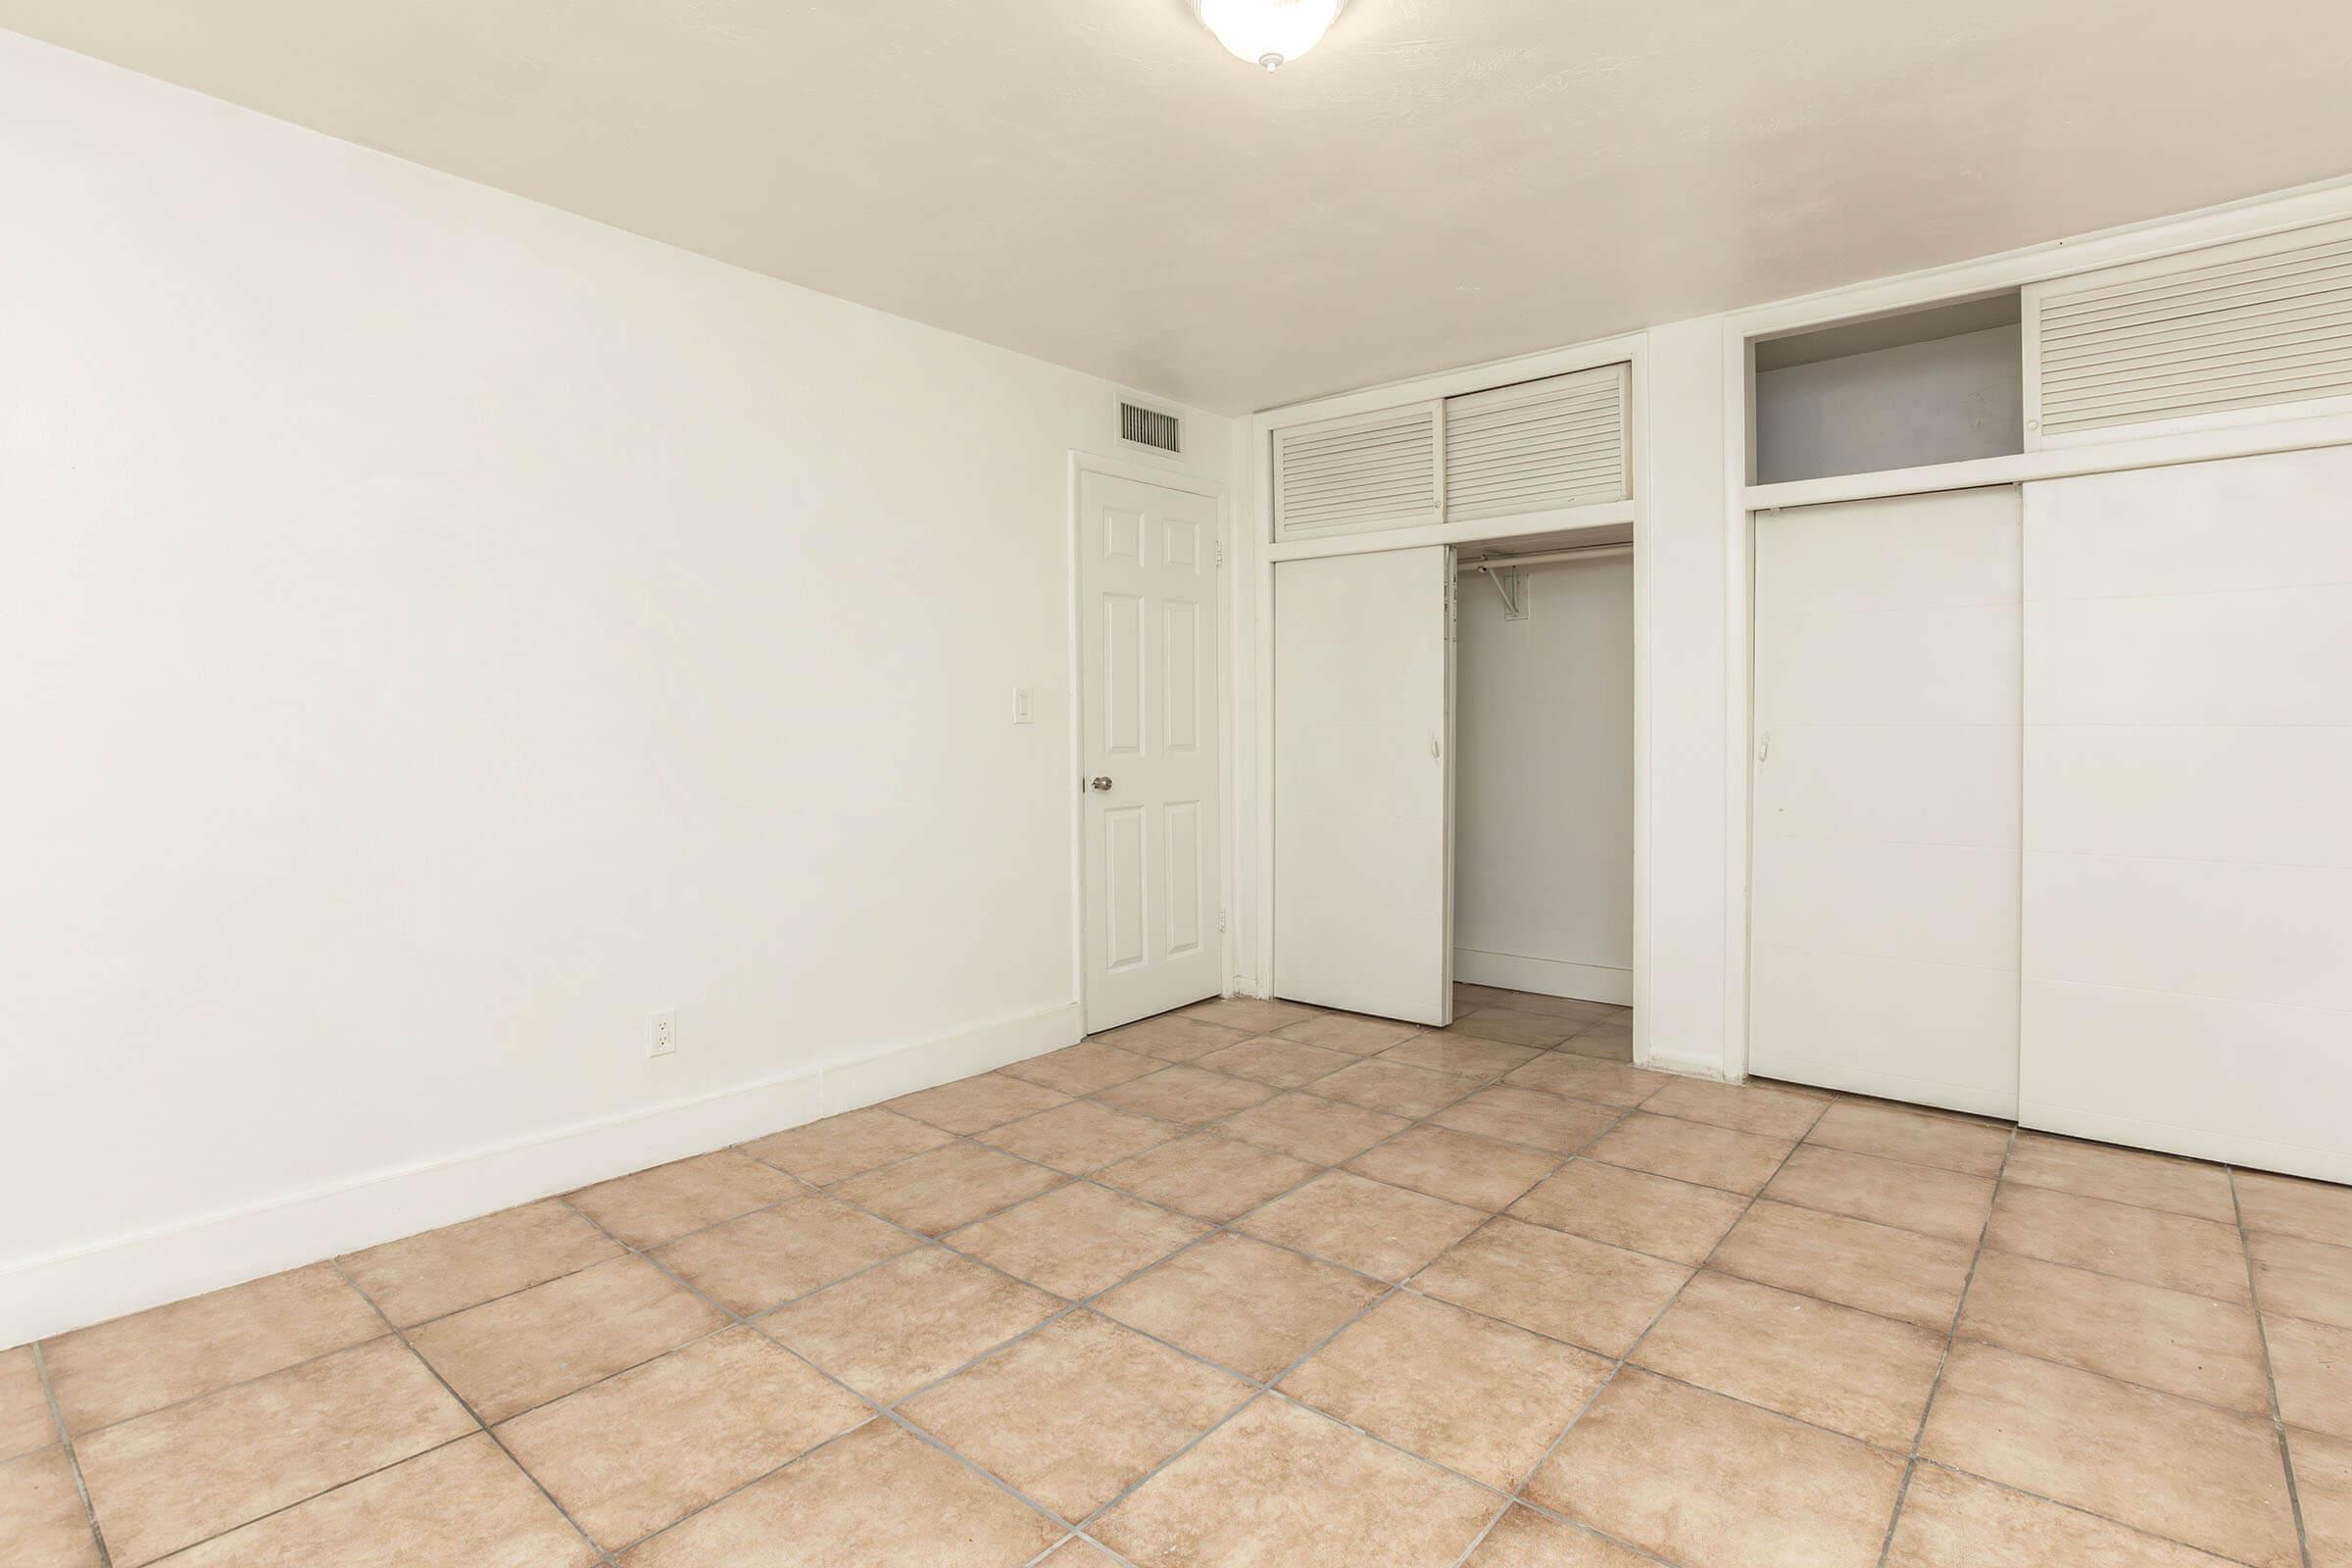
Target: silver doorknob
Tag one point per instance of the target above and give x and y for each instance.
(1099, 783)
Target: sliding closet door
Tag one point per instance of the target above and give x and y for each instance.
(2188, 790)
(1362, 767)
(1885, 897)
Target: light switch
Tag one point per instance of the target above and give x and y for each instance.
(1024, 704)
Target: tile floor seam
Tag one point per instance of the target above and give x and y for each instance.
(2269, 1375)
(475, 1416)
(65, 1440)
(1951, 1334)
(2106, 1274)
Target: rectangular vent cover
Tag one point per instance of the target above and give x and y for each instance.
(1149, 427)
(2226, 336)
(1371, 471)
(1537, 446)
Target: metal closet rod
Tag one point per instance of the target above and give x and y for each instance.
(1541, 558)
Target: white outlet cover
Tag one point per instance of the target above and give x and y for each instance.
(662, 1037)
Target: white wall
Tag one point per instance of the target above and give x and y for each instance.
(437, 631)
(1543, 783)
(1941, 401)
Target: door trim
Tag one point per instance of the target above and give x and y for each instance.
(1082, 463)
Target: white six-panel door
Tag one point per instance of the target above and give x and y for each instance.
(1147, 662)
(1884, 905)
(1363, 676)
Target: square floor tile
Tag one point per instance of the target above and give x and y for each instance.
(1208, 1174)
(1476, 1396)
(1512, 1027)
(1886, 1192)
(1913, 1136)
(2169, 1340)
(1604, 1044)
(1567, 1286)
(762, 1260)
(1386, 1086)
(641, 1451)
(2313, 1365)
(2147, 1244)
(177, 1475)
(521, 1350)
(937, 1192)
(1310, 1128)
(463, 1265)
(1272, 1059)
(26, 1423)
(2309, 1280)
(1079, 1137)
(2123, 1176)
(1743, 1107)
(2286, 1205)
(1076, 1239)
(1077, 1413)
(880, 1498)
(1954, 1521)
(1189, 1095)
(850, 1145)
(1529, 1117)
(1525, 1539)
(1850, 1261)
(1258, 1016)
(2154, 1461)
(1460, 1167)
(657, 1205)
(1604, 1083)
(1343, 1031)
(1280, 1485)
(1633, 1210)
(464, 1502)
(1707, 1482)
(1365, 1225)
(905, 1323)
(1692, 1151)
(1172, 1037)
(1085, 1067)
(1241, 1303)
(158, 1357)
(1854, 1372)
(42, 1522)
(975, 1104)
(1467, 1057)
(2324, 1488)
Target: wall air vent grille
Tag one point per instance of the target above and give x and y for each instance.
(2233, 334)
(1149, 428)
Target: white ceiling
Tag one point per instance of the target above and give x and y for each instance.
(1444, 181)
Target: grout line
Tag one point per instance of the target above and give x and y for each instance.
(2270, 1377)
(1903, 1491)
(480, 1425)
(56, 1415)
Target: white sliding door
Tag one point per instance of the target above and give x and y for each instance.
(1884, 902)
(2188, 779)
(1362, 768)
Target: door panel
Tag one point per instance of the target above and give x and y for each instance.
(2188, 939)
(1148, 590)
(1885, 891)
(1363, 764)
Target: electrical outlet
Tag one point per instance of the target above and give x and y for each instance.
(662, 1040)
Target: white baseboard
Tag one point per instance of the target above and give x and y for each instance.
(1547, 977)
(1688, 1066)
(49, 1294)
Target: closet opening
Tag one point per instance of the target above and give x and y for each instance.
(1542, 866)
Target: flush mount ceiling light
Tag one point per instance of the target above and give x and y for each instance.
(1268, 32)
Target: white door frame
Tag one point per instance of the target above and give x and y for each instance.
(1081, 465)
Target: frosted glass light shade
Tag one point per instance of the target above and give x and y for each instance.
(1269, 32)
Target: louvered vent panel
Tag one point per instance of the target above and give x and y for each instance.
(2246, 327)
(1377, 470)
(1537, 447)
(1149, 428)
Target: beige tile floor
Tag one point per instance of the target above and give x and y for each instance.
(1254, 1284)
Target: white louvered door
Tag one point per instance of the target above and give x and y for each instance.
(1373, 470)
(1537, 446)
(2261, 329)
